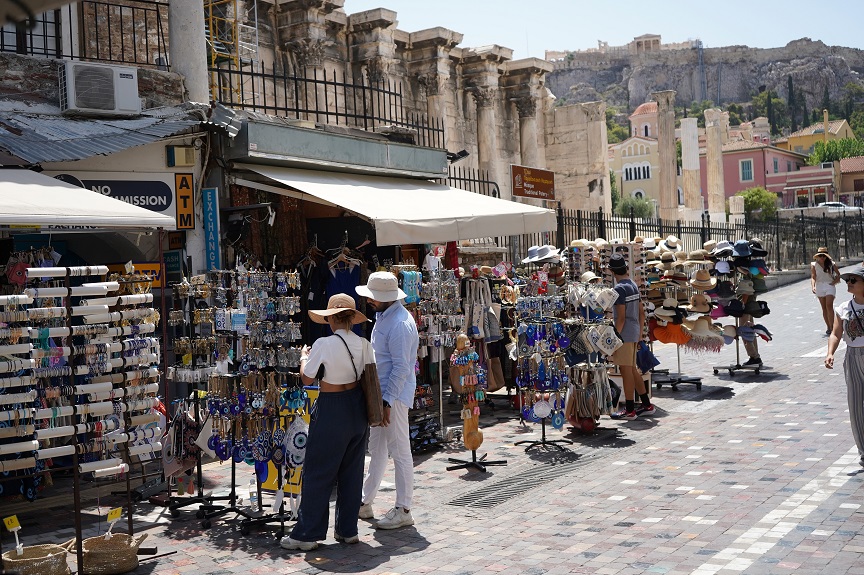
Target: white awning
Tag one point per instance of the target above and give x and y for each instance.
(28, 198)
(408, 211)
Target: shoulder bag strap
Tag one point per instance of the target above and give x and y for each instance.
(351, 355)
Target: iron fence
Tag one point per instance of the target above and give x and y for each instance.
(95, 31)
(324, 97)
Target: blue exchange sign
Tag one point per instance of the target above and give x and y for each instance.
(210, 199)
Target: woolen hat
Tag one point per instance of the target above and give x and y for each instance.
(337, 304)
(383, 287)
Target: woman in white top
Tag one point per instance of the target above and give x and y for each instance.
(338, 430)
(824, 275)
(849, 326)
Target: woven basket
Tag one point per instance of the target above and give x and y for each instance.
(47, 559)
(111, 556)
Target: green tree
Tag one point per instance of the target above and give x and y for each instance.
(856, 122)
(697, 110)
(767, 103)
(615, 132)
(826, 99)
(759, 203)
(834, 150)
(616, 195)
(736, 114)
(642, 208)
(790, 103)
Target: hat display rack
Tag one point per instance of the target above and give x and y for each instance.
(80, 380)
(674, 286)
(541, 374)
(439, 320)
(744, 268)
(425, 416)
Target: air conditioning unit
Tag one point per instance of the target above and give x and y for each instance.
(99, 89)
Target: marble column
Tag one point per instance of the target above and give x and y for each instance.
(690, 163)
(309, 55)
(527, 108)
(714, 163)
(668, 161)
(487, 131)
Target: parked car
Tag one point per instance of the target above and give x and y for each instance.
(838, 207)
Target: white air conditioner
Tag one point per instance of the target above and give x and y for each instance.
(99, 89)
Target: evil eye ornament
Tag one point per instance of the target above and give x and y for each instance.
(558, 420)
(542, 409)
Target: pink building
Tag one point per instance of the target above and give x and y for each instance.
(748, 164)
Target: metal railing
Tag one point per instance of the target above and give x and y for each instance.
(324, 97)
(96, 31)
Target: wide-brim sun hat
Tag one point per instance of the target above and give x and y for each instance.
(741, 249)
(822, 251)
(709, 245)
(588, 276)
(337, 304)
(671, 244)
(703, 281)
(381, 286)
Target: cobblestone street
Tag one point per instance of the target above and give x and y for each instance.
(750, 474)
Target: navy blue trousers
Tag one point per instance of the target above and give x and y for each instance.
(335, 454)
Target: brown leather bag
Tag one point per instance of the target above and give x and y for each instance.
(371, 389)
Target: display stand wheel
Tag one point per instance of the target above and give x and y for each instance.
(205, 524)
(176, 513)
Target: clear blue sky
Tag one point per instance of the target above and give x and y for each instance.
(531, 26)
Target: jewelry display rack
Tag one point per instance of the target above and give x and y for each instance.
(110, 378)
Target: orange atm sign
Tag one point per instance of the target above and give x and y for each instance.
(532, 183)
(185, 201)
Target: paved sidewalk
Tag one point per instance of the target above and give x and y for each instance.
(751, 474)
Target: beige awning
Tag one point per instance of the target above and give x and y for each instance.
(28, 198)
(407, 211)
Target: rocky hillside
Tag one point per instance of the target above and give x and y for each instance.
(731, 74)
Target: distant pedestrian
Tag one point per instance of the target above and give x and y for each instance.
(849, 326)
(824, 275)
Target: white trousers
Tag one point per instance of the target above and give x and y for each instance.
(392, 440)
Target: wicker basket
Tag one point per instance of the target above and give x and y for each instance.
(111, 556)
(47, 559)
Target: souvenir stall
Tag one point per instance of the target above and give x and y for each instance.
(80, 373)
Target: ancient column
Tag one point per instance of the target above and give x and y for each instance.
(527, 108)
(487, 131)
(668, 161)
(714, 164)
(690, 163)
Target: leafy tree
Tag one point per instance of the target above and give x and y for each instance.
(697, 110)
(615, 132)
(790, 102)
(736, 114)
(856, 122)
(768, 104)
(616, 195)
(834, 150)
(759, 203)
(642, 208)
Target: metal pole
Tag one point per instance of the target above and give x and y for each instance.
(845, 235)
(777, 241)
(824, 229)
(560, 231)
(803, 239)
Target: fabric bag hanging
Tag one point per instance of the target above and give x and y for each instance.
(371, 388)
(645, 358)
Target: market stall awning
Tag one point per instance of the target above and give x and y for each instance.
(408, 211)
(28, 198)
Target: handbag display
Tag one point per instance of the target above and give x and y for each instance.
(371, 388)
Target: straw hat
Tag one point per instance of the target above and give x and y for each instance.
(667, 259)
(709, 245)
(671, 244)
(822, 251)
(699, 303)
(638, 240)
(384, 287)
(697, 257)
(588, 277)
(702, 280)
(601, 243)
(649, 243)
(337, 304)
(669, 309)
(581, 243)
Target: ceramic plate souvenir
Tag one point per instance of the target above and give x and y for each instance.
(542, 409)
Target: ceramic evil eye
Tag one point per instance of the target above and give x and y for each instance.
(558, 420)
(213, 441)
(241, 399)
(526, 412)
(563, 342)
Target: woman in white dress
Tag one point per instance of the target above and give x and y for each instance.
(824, 276)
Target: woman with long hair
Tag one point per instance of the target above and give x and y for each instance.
(824, 275)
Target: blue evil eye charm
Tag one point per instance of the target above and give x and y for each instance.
(563, 342)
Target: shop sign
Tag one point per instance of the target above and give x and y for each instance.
(147, 190)
(152, 269)
(185, 202)
(532, 183)
(176, 240)
(210, 199)
(174, 266)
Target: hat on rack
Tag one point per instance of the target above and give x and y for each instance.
(670, 244)
(702, 280)
(759, 285)
(723, 267)
(758, 267)
(669, 308)
(532, 255)
(723, 249)
(745, 287)
(667, 259)
(588, 277)
(709, 245)
(581, 243)
(741, 249)
(552, 254)
(746, 333)
(674, 277)
(729, 334)
(618, 264)
(339, 303)
(383, 287)
(671, 333)
(601, 243)
(556, 275)
(649, 243)
(704, 336)
(680, 258)
(718, 311)
(756, 248)
(699, 303)
(618, 241)
(638, 240)
(697, 257)
(734, 308)
(762, 332)
(724, 290)
(756, 308)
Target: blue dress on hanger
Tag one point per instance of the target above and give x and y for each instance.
(343, 278)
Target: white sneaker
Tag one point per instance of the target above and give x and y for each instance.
(288, 543)
(349, 540)
(366, 511)
(395, 518)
